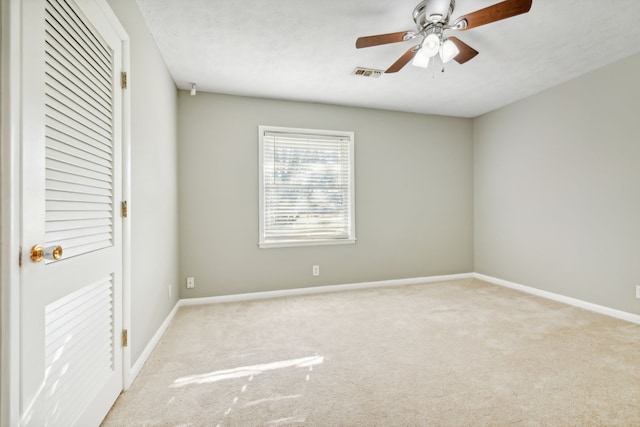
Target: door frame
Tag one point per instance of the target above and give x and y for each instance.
(10, 82)
(11, 212)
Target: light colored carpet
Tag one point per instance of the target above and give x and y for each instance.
(459, 353)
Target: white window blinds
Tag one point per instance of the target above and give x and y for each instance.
(306, 188)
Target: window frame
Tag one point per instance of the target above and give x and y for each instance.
(262, 242)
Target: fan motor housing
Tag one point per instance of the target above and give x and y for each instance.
(430, 12)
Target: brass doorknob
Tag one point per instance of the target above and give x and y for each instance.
(39, 252)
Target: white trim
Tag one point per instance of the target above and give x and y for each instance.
(10, 214)
(126, 222)
(126, 187)
(290, 243)
(321, 289)
(618, 314)
(137, 367)
(349, 136)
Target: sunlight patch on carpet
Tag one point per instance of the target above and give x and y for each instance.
(247, 371)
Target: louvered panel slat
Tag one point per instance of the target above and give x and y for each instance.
(68, 196)
(79, 250)
(76, 216)
(76, 171)
(57, 57)
(77, 152)
(83, 35)
(70, 95)
(63, 178)
(63, 311)
(58, 21)
(59, 30)
(82, 336)
(76, 118)
(87, 162)
(76, 188)
(54, 125)
(102, 50)
(75, 242)
(59, 216)
(67, 72)
(53, 205)
(81, 332)
(60, 141)
(76, 348)
(67, 75)
(83, 144)
(91, 357)
(54, 226)
(79, 232)
(53, 38)
(73, 342)
(57, 140)
(63, 99)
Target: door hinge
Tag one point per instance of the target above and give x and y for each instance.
(20, 257)
(125, 210)
(123, 80)
(125, 338)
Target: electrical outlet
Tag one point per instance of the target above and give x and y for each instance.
(637, 291)
(316, 270)
(191, 282)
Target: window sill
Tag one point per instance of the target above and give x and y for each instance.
(294, 243)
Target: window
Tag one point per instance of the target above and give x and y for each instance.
(306, 187)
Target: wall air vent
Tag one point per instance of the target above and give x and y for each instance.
(367, 72)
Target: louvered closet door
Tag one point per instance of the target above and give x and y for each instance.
(71, 354)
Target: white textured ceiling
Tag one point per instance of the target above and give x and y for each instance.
(305, 50)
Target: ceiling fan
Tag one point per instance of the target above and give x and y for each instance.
(433, 17)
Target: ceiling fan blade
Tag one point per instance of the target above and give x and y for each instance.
(403, 60)
(381, 39)
(466, 52)
(497, 12)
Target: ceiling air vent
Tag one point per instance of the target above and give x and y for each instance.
(367, 72)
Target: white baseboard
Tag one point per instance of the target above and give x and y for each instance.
(321, 289)
(137, 367)
(618, 314)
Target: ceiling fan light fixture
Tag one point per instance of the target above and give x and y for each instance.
(449, 51)
(431, 45)
(420, 60)
(432, 19)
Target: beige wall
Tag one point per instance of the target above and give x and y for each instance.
(153, 203)
(413, 175)
(557, 189)
(555, 203)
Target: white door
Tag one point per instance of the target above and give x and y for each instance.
(71, 354)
